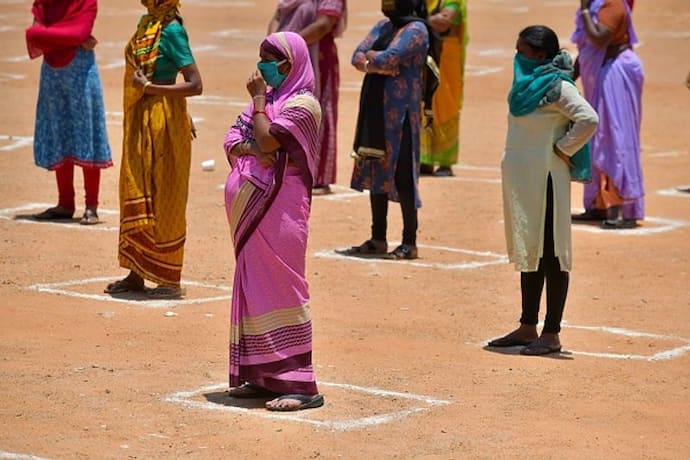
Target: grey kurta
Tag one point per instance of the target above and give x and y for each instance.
(527, 161)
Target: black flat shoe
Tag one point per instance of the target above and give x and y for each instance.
(589, 216)
(619, 224)
(54, 213)
(403, 252)
(426, 170)
(370, 248)
(443, 171)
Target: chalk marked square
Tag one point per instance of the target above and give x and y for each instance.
(439, 257)
(400, 406)
(663, 353)
(21, 214)
(648, 226)
(92, 289)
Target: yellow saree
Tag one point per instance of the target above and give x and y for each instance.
(440, 142)
(154, 180)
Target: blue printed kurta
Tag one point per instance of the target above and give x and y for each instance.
(402, 97)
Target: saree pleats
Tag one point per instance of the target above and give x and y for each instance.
(154, 182)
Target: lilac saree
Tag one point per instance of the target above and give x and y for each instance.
(268, 212)
(614, 88)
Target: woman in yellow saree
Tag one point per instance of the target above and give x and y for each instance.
(156, 152)
(440, 141)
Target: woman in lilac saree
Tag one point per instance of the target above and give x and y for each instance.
(271, 148)
(612, 77)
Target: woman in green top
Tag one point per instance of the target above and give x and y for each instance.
(439, 142)
(156, 152)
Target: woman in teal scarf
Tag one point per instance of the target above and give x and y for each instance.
(549, 121)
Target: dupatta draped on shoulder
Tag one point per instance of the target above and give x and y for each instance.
(60, 27)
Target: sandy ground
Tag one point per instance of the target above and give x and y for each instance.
(398, 347)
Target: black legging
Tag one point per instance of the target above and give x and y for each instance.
(532, 283)
(404, 182)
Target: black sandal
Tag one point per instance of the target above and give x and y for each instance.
(403, 252)
(124, 285)
(249, 391)
(54, 213)
(367, 249)
(593, 215)
(89, 218)
(619, 224)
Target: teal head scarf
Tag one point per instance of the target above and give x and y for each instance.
(537, 83)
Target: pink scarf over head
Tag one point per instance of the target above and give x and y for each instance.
(60, 27)
(303, 130)
(301, 76)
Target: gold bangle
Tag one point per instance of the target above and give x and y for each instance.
(366, 66)
(146, 85)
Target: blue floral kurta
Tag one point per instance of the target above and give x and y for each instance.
(402, 98)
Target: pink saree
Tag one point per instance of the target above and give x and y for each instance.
(268, 212)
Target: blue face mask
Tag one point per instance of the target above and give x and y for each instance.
(270, 73)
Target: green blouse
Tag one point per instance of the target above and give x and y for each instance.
(173, 52)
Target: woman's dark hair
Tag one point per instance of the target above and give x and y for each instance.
(541, 39)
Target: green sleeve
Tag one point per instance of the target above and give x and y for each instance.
(174, 45)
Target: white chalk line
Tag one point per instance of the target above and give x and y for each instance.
(183, 398)
(662, 355)
(211, 99)
(21, 58)
(472, 70)
(58, 289)
(675, 192)
(15, 456)
(240, 34)
(6, 76)
(664, 154)
(7, 214)
(16, 142)
(662, 225)
(497, 258)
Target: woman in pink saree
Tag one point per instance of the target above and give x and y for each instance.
(272, 149)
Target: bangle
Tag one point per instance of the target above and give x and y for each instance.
(146, 85)
(586, 10)
(259, 95)
(366, 66)
(258, 111)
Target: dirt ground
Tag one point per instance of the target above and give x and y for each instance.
(398, 347)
